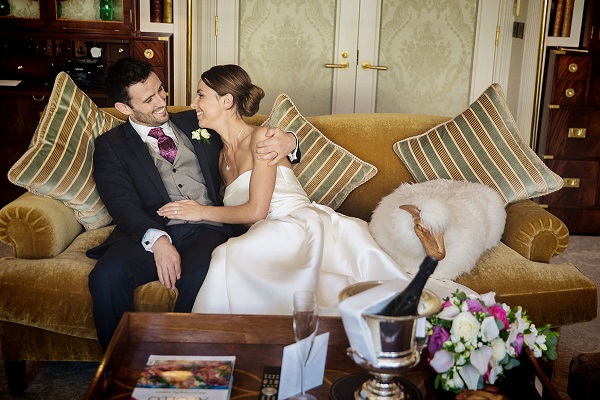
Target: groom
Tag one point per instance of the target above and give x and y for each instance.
(135, 176)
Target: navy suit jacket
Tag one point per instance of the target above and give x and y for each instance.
(130, 185)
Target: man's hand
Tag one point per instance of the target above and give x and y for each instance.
(277, 145)
(168, 262)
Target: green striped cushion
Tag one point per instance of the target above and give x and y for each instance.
(58, 163)
(483, 145)
(327, 172)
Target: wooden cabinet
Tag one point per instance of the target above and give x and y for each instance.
(38, 39)
(570, 137)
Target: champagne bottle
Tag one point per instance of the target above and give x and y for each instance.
(407, 301)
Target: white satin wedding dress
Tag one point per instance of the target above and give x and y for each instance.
(300, 245)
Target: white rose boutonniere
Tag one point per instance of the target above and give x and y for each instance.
(201, 135)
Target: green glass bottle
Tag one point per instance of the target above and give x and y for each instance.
(106, 10)
(4, 8)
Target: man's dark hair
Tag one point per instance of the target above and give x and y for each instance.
(122, 74)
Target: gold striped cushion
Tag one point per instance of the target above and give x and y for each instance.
(327, 172)
(483, 145)
(58, 163)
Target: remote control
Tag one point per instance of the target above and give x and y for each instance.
(270, 383)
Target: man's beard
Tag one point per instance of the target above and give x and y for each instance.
(149, 119)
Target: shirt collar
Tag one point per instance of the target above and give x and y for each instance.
(144, 130)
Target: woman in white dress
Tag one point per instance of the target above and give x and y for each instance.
(292, 244)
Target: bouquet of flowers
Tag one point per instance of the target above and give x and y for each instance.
(473, 340)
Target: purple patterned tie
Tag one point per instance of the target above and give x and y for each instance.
(166, 145)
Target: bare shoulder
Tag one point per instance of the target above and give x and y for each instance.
(258, 133)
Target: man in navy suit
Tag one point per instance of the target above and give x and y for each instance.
(134, 181)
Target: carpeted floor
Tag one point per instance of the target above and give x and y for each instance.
(584, 252)
(69, 380)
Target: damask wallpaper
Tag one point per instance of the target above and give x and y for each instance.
(283, 45)
(25, 9)
(89, 10)
(429, 46)
(81, 10)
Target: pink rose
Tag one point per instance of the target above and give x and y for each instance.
(500, 314)
(437, 339)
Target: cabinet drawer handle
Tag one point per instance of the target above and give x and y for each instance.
(571, 183)
(577, 133)
(570, 92)
(38, 98)
(573, 67)
(121, 50)
(148, 53)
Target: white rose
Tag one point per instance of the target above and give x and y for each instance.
(204, 133)
(460, 347)
(466, 326)
(498, 349)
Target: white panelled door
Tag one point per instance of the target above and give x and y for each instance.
(346, 56)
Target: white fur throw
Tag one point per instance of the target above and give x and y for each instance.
(470, 215)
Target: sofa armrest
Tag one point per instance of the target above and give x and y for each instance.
(37, 227)
(533, 232)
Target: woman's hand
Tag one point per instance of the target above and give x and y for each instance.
(277, 145)
(187, 210)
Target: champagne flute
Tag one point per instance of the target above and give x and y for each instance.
(306, 322)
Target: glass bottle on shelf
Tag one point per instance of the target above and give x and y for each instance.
(106, 10)
(4, 8)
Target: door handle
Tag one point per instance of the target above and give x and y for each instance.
(342, 65)
(367, 65)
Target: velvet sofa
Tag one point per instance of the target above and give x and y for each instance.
(46, 309)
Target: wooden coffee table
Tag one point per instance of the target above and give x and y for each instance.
(256, 341)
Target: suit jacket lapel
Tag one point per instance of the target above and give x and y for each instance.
(140, 150)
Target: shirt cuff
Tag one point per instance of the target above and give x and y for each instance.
(151, 236)
(293, 156)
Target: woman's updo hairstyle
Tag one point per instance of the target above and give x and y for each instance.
(232, 79)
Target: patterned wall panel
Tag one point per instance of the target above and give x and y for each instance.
(428, 45)
(88, 10)
(283, 45)
(25, 9)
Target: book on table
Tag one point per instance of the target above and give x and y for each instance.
(190, 377)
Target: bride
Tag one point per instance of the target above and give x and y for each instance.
(292, 244)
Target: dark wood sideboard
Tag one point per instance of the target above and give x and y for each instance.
(570, 128)
(33, 49)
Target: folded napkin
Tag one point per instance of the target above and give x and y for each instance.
(372, 301)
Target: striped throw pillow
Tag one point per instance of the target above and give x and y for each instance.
(58, 163)
(483, 145)
(327, 172)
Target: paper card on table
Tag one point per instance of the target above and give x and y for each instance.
(289, 380)
(9, 82)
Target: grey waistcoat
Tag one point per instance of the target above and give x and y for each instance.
(183, 179)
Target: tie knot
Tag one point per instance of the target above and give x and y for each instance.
(156, 132)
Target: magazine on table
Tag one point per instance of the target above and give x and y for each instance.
(189, 377)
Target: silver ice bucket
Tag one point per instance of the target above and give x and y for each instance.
(397, 346)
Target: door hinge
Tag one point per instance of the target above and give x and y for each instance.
(216, 25)
(497, 34)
